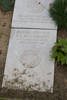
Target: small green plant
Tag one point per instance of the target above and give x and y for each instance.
(58, 12)
(59, 51)
(7, 5)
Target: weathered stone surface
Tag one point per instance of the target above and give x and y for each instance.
(28, 64)
(32, 14)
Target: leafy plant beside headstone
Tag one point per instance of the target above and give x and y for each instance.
(59, 51)
(58, 12)
(7, 5)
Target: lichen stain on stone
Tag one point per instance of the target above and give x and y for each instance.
(48, 81)
(49, 73)
(36, 6)
(20, 82)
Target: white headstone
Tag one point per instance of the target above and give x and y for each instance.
(28, 64)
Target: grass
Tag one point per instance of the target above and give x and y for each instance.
(6, 99)
(7, 5)
(12, 99)
(3, 99)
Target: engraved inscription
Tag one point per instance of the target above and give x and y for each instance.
(30, 58)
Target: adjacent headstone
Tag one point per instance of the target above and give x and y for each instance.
(32, 14)
(33, 34)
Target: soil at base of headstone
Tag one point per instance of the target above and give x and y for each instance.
(60, 82)
(62, 33)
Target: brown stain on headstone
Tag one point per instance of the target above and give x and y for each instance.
(49, 73)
